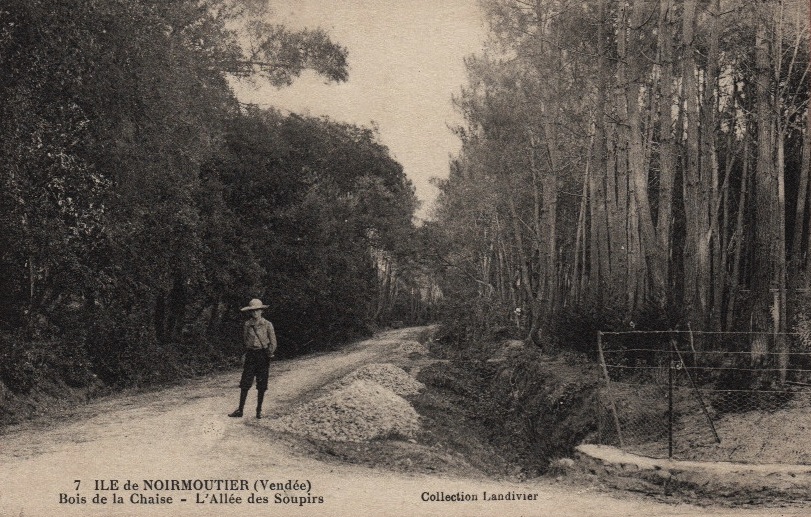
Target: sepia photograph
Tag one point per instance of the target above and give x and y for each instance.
(537, 258)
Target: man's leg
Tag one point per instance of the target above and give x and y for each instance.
(248, 372)
(261, 384)
(243, 395)
(260, 396)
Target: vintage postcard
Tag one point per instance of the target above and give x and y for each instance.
(405, 258)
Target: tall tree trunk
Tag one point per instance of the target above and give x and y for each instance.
(667, 156)
(539, 246)
(764, 271)
(617, 210)
(600, 276)
(738, 238)
(781, 344)
(806, 161)
(780, 130)
(696, 202)
(579, 271)
(643, 236)
(547, 292)
(797, 249)
(526, 280)
(709, 173)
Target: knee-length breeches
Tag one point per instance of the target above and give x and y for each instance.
(257, 364)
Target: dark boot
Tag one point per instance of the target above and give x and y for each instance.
(243, 394)
(260, 396)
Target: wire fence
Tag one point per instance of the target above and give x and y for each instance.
(712, 396)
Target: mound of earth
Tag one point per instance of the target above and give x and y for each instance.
(359, 411)
(759, 436)
(387, 375)
(510, 349)
(413, 347)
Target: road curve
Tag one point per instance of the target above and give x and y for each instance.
(182, 433)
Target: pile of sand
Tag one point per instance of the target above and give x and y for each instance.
(358, 411)
(387, 375)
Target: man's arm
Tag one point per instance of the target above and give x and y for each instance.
(272, 336)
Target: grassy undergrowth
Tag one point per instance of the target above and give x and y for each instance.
(527, 408)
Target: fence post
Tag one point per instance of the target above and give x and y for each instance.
(608, 388)
(670, 403)
(600, 418)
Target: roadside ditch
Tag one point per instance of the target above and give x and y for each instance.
(508, 414)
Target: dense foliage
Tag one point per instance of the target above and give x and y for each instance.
(141, 205)
(631, 163)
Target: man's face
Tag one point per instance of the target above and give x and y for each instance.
(256, 314)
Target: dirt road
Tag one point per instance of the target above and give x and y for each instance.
(183, 434)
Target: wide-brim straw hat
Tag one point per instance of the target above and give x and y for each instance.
(254, 305)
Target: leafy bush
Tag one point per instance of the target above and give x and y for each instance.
(25, 363)
(472, 322)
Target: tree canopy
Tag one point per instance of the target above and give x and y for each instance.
(632, 161)
(141, 204)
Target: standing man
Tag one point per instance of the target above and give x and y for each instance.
(260, 345)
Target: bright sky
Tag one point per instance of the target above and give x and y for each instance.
(405, 59)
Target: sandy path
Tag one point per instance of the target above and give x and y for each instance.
(184, 433)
